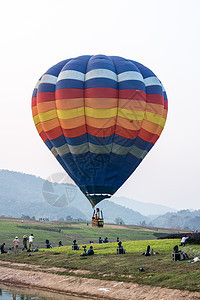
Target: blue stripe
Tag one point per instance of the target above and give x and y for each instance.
(141, 144)
(100, 62)
(48, 144)
(101, 82)
(132, 84)
(154, 89)
(56, 69)
(77, 64)
(46, 87)
(123, 65)
(143, 70)
(69, 84)
(34, 93)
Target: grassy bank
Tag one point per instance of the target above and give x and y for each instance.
(159, 269)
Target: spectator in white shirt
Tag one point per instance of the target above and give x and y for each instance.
(183, 240)
(31, 238)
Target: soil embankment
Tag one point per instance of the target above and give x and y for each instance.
(36, 277)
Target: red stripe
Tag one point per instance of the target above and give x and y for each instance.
(33, 101)
(74, 132)
(101, 92)
(166, 104)
(126, 133)
(54, 133)
(148, 136)
(155, 98)
(45, 96)
(69, 93)
(132, 94)
(43, 136)
(101, 132)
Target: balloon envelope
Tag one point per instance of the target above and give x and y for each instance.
(99, 116)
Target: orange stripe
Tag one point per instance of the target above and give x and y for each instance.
(39, 128)
(132, 104)
(101, 123)
(152, 127)
(128, 124)
(69, 103)
(101, 102)
(165, 113)
(51, 124)
(34, 111)
(155, 108)
(72, 123)
(46, 106)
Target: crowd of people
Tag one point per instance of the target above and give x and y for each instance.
(16, 243)
(28, 244)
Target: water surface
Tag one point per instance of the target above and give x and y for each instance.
(16, 293)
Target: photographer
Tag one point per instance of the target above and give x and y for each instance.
(75, 245)
(89, 252)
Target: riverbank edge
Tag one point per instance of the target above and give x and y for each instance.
(17, 275)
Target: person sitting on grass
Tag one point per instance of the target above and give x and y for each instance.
(89, 252)
(100, 240)
(177, 251)
(3, 248)
(148, 252)
(120, 249)
(48, 244)
(106, 240)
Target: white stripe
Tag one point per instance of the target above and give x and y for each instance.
(163, 87)
(71, 74)
(37, 84)
(130, 75)
(48, 79)
(152, 81)
(101, 73)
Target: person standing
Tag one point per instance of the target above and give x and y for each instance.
(16, 244)
(183, 240)
(31, 238)
(25, 239)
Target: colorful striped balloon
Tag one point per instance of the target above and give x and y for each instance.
(99, 115)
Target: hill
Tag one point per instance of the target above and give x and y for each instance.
(145, 208)
(184, 219)
(33, 196)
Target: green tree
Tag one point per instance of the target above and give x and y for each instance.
(119, 221)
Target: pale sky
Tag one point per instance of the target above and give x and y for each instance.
(162, 35)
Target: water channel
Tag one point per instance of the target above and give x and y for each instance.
(17, 293)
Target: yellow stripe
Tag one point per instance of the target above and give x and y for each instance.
(70, 113)
(101, 113)
(131, 114)
(45, 116)
(155, 118)
(36, 119)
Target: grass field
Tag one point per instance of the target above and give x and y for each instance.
(159, 269)
(68, 231)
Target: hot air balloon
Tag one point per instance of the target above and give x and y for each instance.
(99, 116)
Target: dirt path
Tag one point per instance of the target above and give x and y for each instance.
(35, 277)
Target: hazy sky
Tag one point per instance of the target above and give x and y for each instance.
(162, 35)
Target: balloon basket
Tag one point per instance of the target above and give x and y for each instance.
(97, 223)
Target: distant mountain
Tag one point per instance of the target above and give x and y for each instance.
(147, 209)
(183, 219)
(33, 196)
